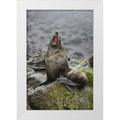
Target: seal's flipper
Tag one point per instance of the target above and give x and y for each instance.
(70, 88)
(66, 81)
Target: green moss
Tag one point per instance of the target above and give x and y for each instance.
(57, 97)
(89, 72)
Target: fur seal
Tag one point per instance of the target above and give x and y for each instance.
(57, 65)
(56, 59)
(78, 77)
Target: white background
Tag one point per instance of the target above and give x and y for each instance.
(58, 115)
(8, 60)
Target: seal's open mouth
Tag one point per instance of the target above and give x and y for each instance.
(55, 40)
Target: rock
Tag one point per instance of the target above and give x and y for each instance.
(28, 107)
(57, 97)
(38, 60)
(91, 61)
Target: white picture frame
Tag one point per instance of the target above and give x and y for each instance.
(97, 112)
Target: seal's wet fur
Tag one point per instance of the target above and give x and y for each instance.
(56, 60)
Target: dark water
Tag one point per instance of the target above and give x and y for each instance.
(75, 28)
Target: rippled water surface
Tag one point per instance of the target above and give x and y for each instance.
(75, 28)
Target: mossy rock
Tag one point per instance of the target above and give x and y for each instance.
(58, 97)
(89, 73)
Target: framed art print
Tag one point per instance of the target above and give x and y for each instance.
(60, 60)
